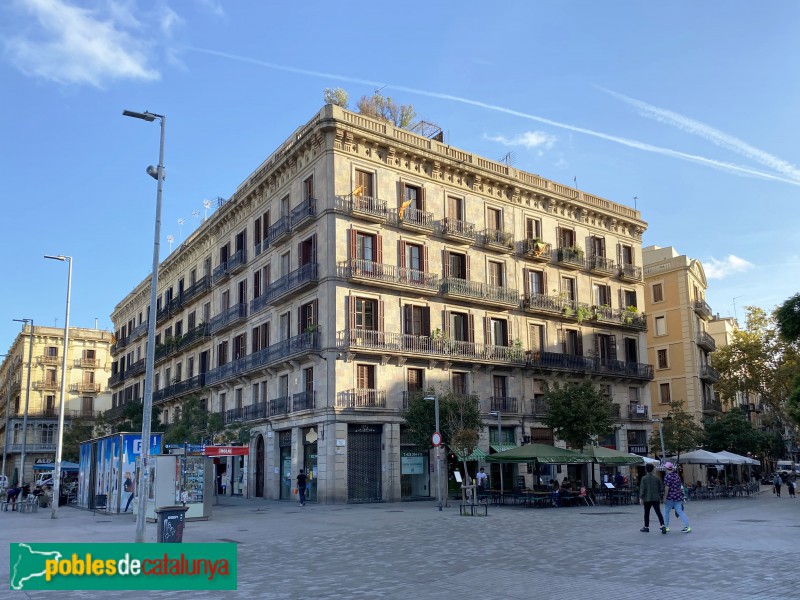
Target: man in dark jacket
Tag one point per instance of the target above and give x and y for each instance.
(650, 493)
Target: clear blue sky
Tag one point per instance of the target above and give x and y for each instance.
(690, 106)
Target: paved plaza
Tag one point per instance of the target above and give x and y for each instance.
(740, 548)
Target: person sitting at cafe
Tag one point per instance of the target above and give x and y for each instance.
(566, 486)
(619, 480)
(555, 492)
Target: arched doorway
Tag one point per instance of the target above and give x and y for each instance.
(260, 466)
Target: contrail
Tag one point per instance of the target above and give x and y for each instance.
(739, 169)
(715, 136)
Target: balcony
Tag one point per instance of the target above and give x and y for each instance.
(539, 408)
(556, 306)
(87, 363)
(383, 275)
(600, 265)
(303, 214)
(628, 272)
(453, 287)
(220, 273)
(136, 333)
(280, 230)
(706, 342)
(32, 447)
(135, 369)
(303, 401)
(198, 288)
(49, 360)
(569, 363)
(457, 231)
(709, 374)
(414, 346)
(417, 220)
(712, 405)
(268, 357)
(638, 412)
(503, 404)
(702, 309)
(237, 262)
(570, 258)
(115, 379)
(536, 249)
(288, 285)
(179, 388)
(45, 386)
(497, 240)
(194, 336)
(228, 318)
(84, 388)
(364, 207)
(279, 406)
(361, 398)
(620, 317)
(251, 412)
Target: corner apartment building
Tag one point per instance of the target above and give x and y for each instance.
(86, 396)
(679, 344)
(361, 263)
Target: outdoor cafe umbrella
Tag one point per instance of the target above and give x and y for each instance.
(609, 456)
(738, 458)
(539, 453)
(701, 457)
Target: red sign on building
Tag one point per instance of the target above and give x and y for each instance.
(227, 451)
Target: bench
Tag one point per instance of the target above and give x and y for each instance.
(473, 510)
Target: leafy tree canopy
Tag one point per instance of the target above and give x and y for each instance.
(194, 425)
(132, 418)
(734, 433)
(681, 432)
(788, 317)
(336, 96)
(379, 107)
(79, 431)
(577, 413)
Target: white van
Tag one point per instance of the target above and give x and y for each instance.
(785, 467)
(44, 478)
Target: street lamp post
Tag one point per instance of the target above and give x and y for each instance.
(661, 435)
(438, 479)
(147, 400)
(60, 443)
(8, 409)
(27, 401)
(499, 443)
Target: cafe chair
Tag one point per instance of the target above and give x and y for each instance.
(587, 500)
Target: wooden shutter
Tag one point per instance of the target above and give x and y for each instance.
(426, 320)
(468, 278)
(471, 331)
(407, 315)
(487, 331)
(378, 248)
(380, 316)
(544, 283)
(257, 231)
(445, 263)
(579, 351)
(313, 257)
(352, 243)
(349, 310)
(562, 340)
(558, 237)
(425, 258)
(597, 344)
(509, 334)
(612, 347)
(300, 257)
(402, 261)
(526, 284)
(446, 322)
(421, 203)
(619, 254)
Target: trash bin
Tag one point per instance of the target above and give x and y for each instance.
(170, 524)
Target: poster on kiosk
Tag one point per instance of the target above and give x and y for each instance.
(181, 479)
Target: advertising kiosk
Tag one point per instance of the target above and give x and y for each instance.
(181, 479)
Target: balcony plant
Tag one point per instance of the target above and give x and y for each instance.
(629, 314)
(442, 343)
(577, 251)
(515, 350)
(583, 313)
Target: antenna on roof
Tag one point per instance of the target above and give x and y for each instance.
(206, 204)
(509, 159)
(635, 198)
(181, 221)
(378, 90)
(170, 239)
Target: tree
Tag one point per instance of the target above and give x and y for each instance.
(734, 433)
(788, 317)
(336, 96)
(378, 107)
(681, 432)
(79, 431)
(577, 413)
(132, 418)
(194, 424)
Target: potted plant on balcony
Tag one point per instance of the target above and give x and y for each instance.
(515, 350)
(442, 343)
(583, 313)
(576, 251)
(630, 314)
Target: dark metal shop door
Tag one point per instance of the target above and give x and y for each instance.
(260, 467)
(364, 463)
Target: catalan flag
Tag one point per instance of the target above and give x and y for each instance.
(402, 209)
(358, 191)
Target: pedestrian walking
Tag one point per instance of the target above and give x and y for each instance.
(301, 487)
(650, 497)
(777, 481)
(791, 484)
(673, 498)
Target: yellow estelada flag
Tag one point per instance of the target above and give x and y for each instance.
(358, 191)
(403, 208)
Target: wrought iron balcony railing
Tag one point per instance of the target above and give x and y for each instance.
(709, 373)
(638, 412)
(237, 261)
(227, 318)
(303, 213)
(459, 231)
(712, 405)
(452, 286)
(294, 282)
(417, 219)
(536, 249)
(303, 401)
(279, 406)
(503, 404)
(601, 264)
(87, 363)
(621, 316)
(383, 274)
(702, 309)
(539, 407)
(84, 388)
(553, 361)
(630, 272)
(365, 207)
(279, 229)
(498, 239)
(361, 398)
(706, 342)
(48, 386)
(570, 258)
(179, 388)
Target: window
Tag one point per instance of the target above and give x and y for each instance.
(456, 265)
(414, 380)
(605, 347)
(455, 208)
(662, 358)
(308, 380)
(498, 332)
(257, 284)
(631, 350)
(535, 282)
(494, 219)
(308, 187)
(225, 300)
(633, 396)
(166, 415)
(52, 351)
(496, 274)
(49, 405)
(88, 377)
(222, 353)
(499, 386)
(658, 292)
(260, 337)
(365, 247)
(460, 327)
(536, 334)
(664, 396)
(598, 246)
(363, 185)
(47, 433)
(190, 367)
(285, 326)
(242, 289)
(412, 257)
(571, 342)
(533, 229)
(239, 346)
(602, 294)
(307, 317)
(285, 206)
(626, 254)
(285, 263)
(89, 355)
(458, 382)
(365, 377)
(416, 320)
(307, 251)
(568, 288)
(566, 237)
(414, 194)
(50, 376)
(87, 406)
(629, 298)
(222, 402)
(661, 325)
(224, 254)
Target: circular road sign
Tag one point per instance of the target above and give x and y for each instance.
(436, 438)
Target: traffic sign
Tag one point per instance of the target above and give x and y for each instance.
(436, 438)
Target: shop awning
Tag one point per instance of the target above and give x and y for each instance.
(477, 454)
(502, 447)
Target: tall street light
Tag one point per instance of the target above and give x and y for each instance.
(60, 443)
(11, 364)
(147, 401)
(661, 435)
(499, 443)
(27, 401)
(438, 480)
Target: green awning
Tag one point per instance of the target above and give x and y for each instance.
(609, 456)
(477, 454)
(541, 453)
(502, 447)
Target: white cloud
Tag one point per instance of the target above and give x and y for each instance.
(529, 139)
(719, 269)
(74, 45)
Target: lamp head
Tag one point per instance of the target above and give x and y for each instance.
(145, 116)
(152, 171)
